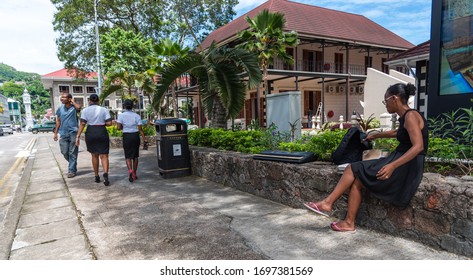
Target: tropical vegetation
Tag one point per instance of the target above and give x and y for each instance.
(217, 70)
(13, 84)
(268, 40)
(179, 20)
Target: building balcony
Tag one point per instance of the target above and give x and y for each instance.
(314, 66)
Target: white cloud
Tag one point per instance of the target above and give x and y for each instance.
(28, 40)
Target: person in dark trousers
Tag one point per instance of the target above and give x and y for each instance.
(96, 135)
(67, 125)
(394, 179)
(130, 123)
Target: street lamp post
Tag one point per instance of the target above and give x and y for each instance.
(97, 46)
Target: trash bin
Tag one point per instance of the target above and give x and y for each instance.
(173, 148)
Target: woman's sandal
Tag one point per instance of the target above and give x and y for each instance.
(134, 176)
(97, 179)
(105, 179)
(334, 226)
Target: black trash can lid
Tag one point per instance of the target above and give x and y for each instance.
(171, 121)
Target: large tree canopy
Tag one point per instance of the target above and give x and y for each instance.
(155, 19)
(125, 51)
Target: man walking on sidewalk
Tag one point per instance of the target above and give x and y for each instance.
(67, 125)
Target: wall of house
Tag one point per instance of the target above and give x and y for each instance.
(334, 102)
(375, 87)
(4, 113)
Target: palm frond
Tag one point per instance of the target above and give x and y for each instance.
(173, 71)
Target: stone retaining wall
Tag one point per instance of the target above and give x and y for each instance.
(117, 142)
(440, 214)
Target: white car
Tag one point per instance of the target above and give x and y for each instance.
(7, 128)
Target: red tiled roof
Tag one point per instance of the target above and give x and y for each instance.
(63, 73)
(421, 49)
(316, 21)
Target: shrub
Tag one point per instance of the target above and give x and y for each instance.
(247, 141)
(148, 130)
(114, 132)
(322, 144)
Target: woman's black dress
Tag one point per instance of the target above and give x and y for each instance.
(97, 139)
(403, 183)
(131, 145)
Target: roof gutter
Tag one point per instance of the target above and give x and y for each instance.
(410, 59)
(338, 40)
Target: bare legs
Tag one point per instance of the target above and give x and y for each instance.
(132, 165)
(347, 182)
(95, 164)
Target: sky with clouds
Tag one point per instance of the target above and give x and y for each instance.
(28, 40)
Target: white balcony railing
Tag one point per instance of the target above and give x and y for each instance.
(313, 66)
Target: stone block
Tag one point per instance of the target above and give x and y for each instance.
(456, 245)
(403, 219)
(431, 223)
(463, 228)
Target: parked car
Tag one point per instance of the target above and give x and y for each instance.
(44, 127)
(7, 128)
(1, 131)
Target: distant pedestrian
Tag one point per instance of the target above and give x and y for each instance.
(131, 125)
(67, 125)
(96, 135)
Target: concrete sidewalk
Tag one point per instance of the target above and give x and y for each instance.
(173, 219)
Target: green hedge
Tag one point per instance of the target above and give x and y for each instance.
(148, 130)
(246, 141)
(322, 144)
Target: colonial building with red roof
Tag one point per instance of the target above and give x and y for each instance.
(81, 87)
(330, 63)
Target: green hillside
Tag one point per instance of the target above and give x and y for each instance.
(14, 83)
(8, 73)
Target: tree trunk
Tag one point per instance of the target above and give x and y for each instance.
(219, 114)
(174, 100)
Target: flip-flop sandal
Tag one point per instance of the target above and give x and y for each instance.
(311, 206)
(335, 227)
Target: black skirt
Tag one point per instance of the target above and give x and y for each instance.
(97, 139)
(131, 145)
(400, 187)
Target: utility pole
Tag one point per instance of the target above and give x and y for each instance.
(97, 45)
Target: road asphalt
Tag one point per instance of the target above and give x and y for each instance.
(53, 217)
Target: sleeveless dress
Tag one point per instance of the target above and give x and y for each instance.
(403, 183)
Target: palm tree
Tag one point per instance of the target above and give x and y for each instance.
(169, 51)
(267, 39)
(217, 70)
(127, 83)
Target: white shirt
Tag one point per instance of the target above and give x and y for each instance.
(95, 115)
(130, 121)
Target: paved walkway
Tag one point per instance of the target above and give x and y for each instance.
(173, 219)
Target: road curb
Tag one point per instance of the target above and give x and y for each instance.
(13, 214)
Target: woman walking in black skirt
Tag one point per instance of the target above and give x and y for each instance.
(96, 135)
(130, 123)
(394, 179)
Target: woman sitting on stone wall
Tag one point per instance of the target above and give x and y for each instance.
(394, 179)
